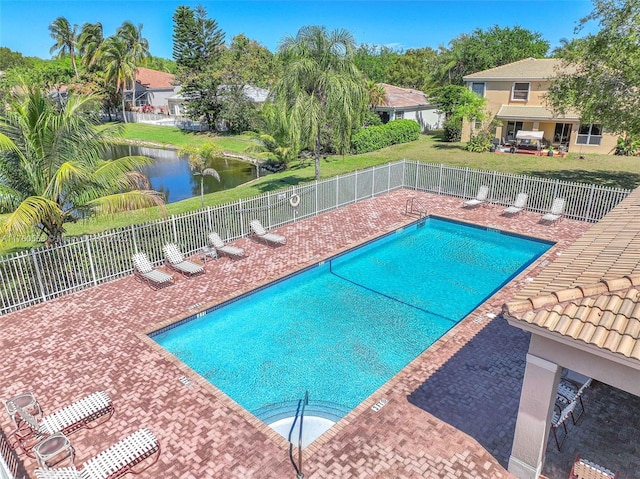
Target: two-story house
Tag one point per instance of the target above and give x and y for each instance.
(515, 96)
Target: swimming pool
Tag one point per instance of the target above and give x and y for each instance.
(344, 327)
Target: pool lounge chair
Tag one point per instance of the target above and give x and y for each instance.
(144, 271)
(262, 234)
(175, 260)
(555, 213)
(218, 244)
(583, 469)
(88, 412)
(518, 205)
(481, 198)
(116, 461)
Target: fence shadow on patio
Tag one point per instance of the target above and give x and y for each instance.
(478, 390)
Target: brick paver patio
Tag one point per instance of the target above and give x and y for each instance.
(451, 412)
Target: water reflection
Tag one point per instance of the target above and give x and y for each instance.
(170, 174)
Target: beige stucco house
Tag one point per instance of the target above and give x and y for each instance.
(515, 96)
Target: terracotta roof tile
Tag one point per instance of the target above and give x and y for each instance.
(607, 319)
(154, 79)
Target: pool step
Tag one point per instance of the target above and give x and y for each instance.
(270, 413)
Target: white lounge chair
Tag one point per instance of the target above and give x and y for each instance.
(556, 212)
(116, 461)
(262, 234)
(144, 271)
(518, 205)
(218, 244)
(80, 414)
(175, 260)
(481, 197)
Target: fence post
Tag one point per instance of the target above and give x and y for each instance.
(38, 274)
(388, 177)
(317, 212)
(337, 191)
(209, 218)
(93, 269)
(133, 236)
(404, 171)
(355, 188)
(440, 180)
(241, 217)
(466, 182)
(269, 209)
(416, 180)
(173, 227)
(587, 215)
(373, 182)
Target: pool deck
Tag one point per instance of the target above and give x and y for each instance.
(450, 412)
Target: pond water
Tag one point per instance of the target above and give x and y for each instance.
(170, 174)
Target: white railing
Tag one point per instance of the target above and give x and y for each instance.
(44, 273)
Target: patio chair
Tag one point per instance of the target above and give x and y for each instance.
(88, 412)
(555, 213)
(518, 205)
(568, 392)
(218, 244)
(481, 198)
(583, 469)
(144, 271)
(262, 234)
(175, 260)
(116, 461)
(559, 418)
(26, 401)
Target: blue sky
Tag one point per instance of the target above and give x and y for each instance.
(398, 24)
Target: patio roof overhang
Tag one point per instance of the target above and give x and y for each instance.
(583, 312)
(533, 113)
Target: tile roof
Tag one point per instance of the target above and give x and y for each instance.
(591, 291)
(397, 97)
(605, 314)
(527, 69)
(532, 113)
(154, 79)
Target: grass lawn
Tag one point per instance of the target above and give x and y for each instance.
(615, 171)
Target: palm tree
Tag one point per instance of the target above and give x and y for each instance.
(376, 94)
(119, 66)
(137, 45)
(321, 89)
(89, 42)
(65, 36)
(199, 157)
(53, 169)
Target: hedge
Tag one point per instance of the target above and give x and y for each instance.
(376, 137)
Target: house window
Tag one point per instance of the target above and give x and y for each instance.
(590, 134)
(562, 133)
(399, 115)
(477, 125)
(477, 88)
(520, 91)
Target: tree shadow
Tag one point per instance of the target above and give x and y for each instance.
(478, 389)
(279, 183)
(616, 179)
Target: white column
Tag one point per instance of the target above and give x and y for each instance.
(541, 378)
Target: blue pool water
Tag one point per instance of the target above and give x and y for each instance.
(342, 329)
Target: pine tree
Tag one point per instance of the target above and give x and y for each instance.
(198, 44)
